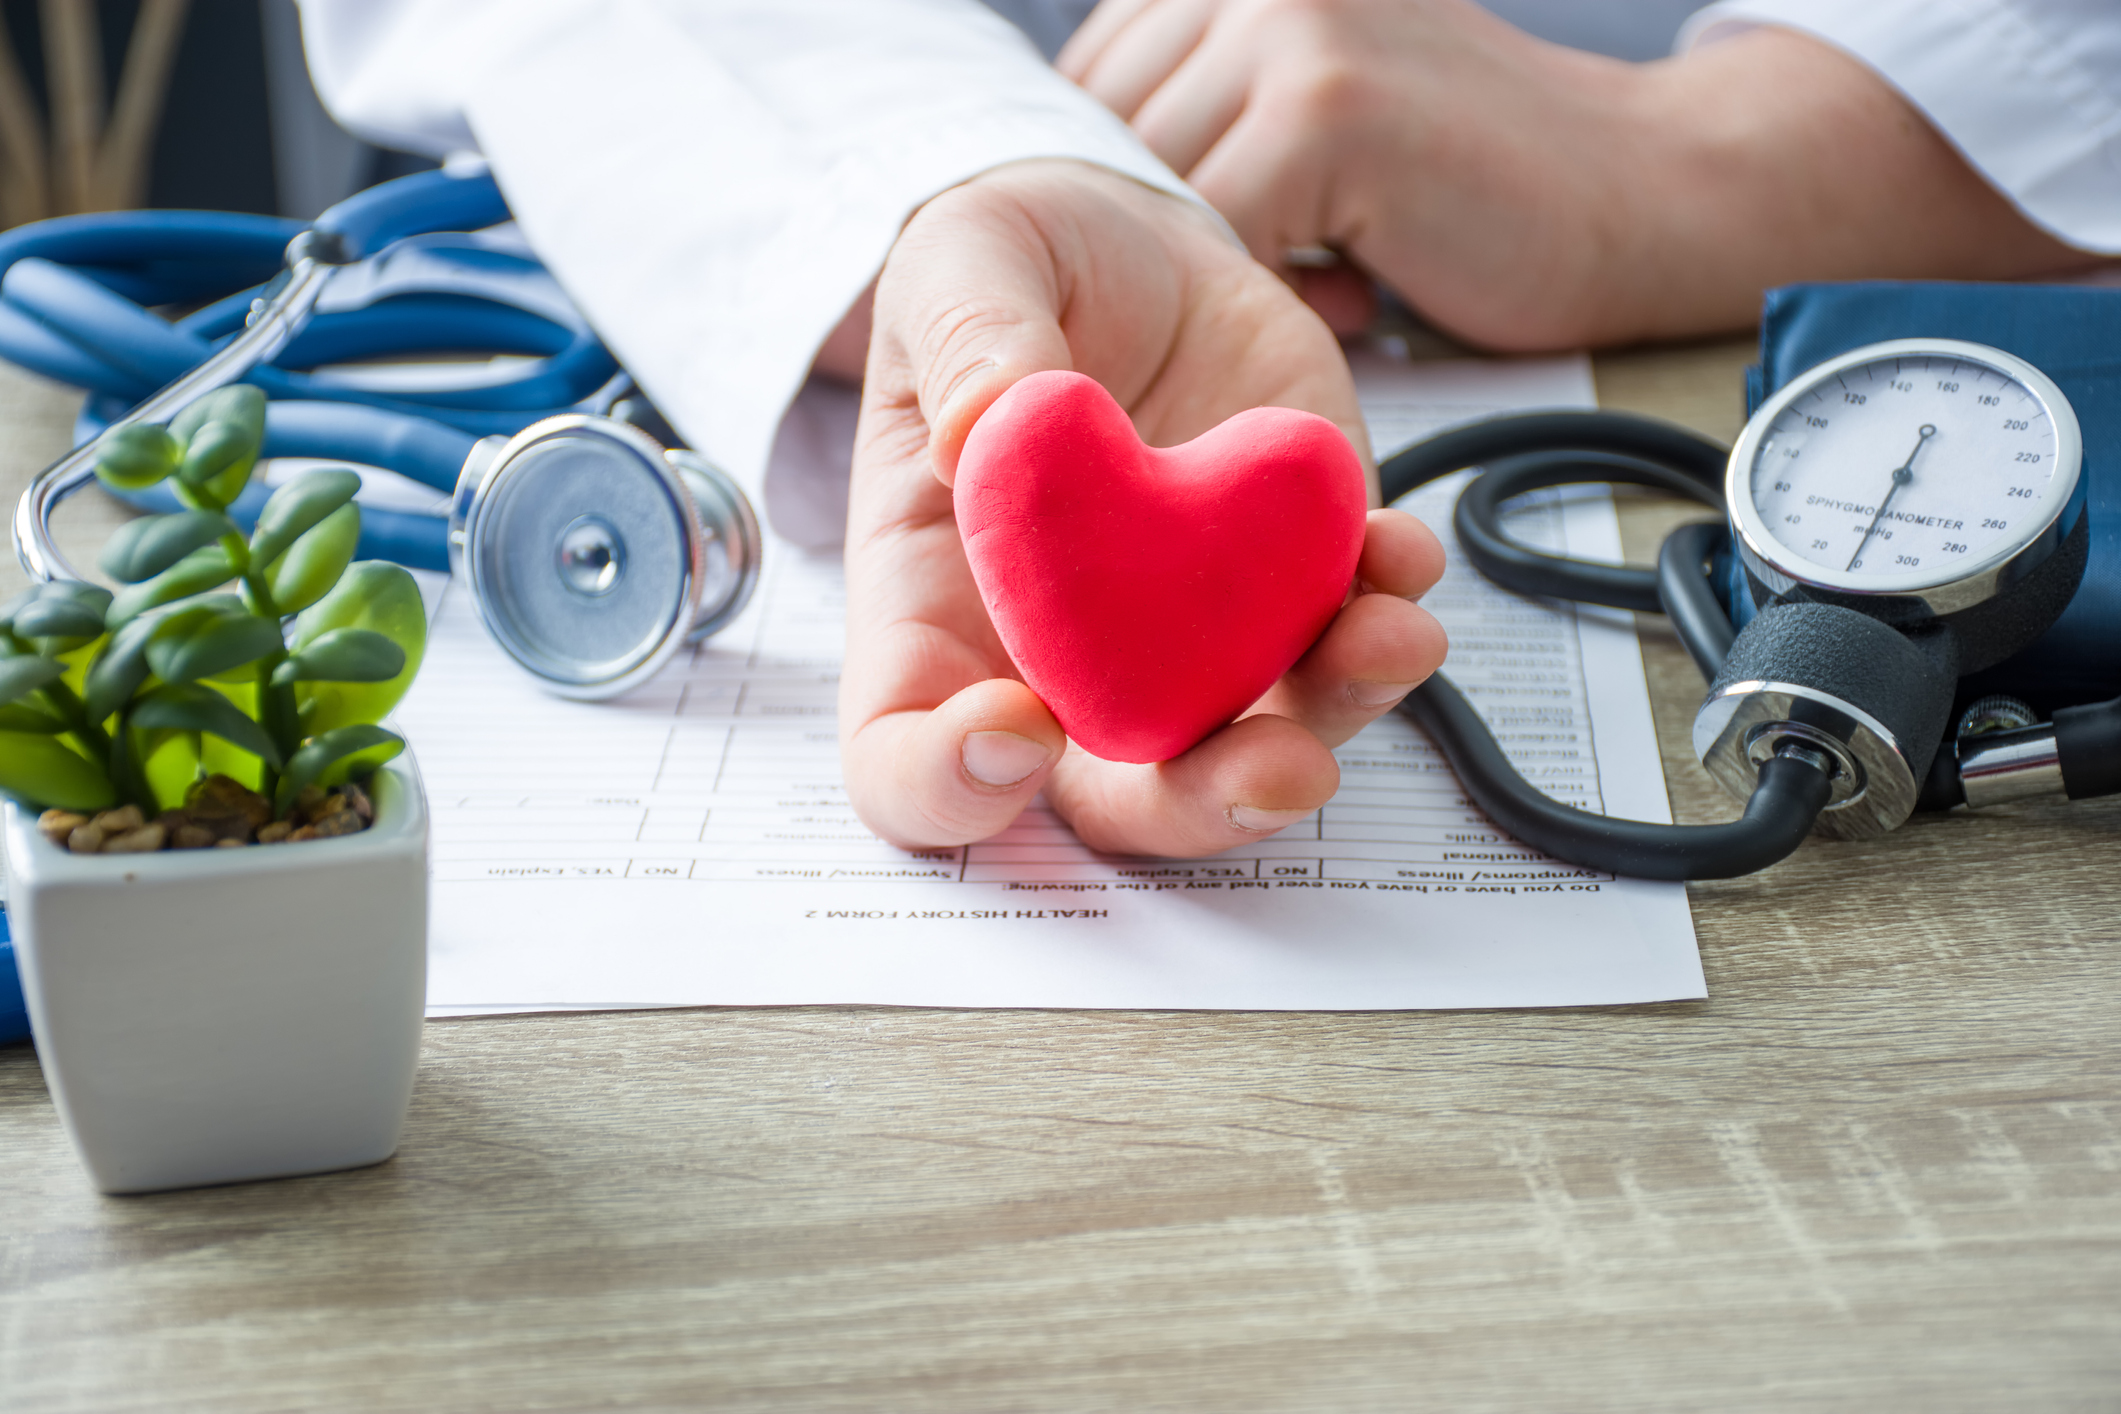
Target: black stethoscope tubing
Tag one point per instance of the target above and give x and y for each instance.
(1536, 451)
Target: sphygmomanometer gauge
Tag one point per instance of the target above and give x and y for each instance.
(1929, 469)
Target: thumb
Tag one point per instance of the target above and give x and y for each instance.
(968, 303)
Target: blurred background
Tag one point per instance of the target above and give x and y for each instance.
(110, 104)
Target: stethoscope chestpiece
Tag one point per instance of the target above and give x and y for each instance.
(594, 554)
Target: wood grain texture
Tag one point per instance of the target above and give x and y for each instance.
(1879, 1169)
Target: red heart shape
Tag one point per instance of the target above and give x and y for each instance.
(1149, 595)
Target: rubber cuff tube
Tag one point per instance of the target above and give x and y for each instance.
(1516, 566)
(1779, 815)
(1689, 599)
(1666, 444)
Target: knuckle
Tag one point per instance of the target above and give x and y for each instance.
(950, 341)
(1335, 93)
(1315, 14)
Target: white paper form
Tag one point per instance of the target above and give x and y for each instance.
(693, 844)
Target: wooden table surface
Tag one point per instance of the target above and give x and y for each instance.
(1880, 1168)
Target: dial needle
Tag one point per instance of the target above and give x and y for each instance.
(1902, 474)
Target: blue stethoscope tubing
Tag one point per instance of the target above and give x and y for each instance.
(75, 305)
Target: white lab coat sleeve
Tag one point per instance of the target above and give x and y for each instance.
(2028, 91)
(714, 182)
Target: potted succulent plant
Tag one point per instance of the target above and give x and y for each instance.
(216, 854)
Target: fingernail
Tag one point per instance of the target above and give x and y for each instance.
(1001, 758)
(1264, 822)
(1379, 694)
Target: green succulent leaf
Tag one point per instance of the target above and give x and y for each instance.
(187, 647)
(313, 564)
(205, 568)
(296, 507)
(238, 402)
(197, 611)
(63, 616)
(190, 707)
(121, 667)
(134, 456)
(372, 594)
(40, 770)
(21, 717)
(320, 753)
(222, 433)
(57, 615)
(80, 591)
(21, 676)
(213, 450)
(343, 655)
(17, 604)
(143, 548)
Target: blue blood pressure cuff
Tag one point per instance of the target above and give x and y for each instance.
(14, 1011)
(2072, 334)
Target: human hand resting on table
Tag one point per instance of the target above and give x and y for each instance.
(1045, 265)
(1525, 196)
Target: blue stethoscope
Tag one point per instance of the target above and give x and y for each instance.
(594, 552)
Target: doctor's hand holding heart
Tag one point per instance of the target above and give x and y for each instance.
(1045, 266)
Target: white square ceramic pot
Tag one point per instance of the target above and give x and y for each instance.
(211, 1016)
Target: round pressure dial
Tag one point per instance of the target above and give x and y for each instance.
(1922, 467)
